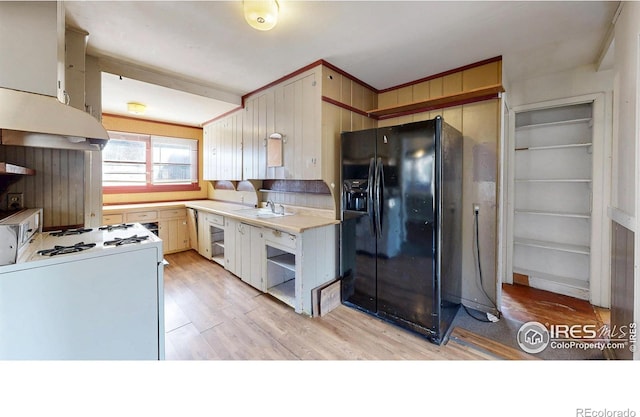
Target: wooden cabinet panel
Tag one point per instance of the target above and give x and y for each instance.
(142, 216)
(179, 213)
(484, 75)
(109, 219)
(173, 230)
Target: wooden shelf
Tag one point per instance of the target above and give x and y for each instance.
(551, 147)
(451, 99)
(219, 243)
(285, 292)
(577, 180)
(10, 169)
(571, 282)
(287, 261)
(565, 247)
(219, 259)
(559, 123)
(554, 213)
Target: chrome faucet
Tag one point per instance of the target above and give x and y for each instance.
(273, 206)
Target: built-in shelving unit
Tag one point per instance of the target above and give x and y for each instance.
(553, 173)
(281, 275)
(217, 244)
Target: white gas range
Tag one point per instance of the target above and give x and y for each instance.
(63, 245)
(85, 294)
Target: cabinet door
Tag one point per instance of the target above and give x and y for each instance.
(249, 150)
(168, 232)
(230, 252)
(308, 124)
(244, 242)
(204, 236)
(257, 258)
(182, 233)
(297, 118)
(210, 152)
(258, 123)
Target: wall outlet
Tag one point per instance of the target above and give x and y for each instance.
(476, 208)
(15, 201)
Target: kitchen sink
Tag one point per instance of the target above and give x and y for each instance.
(261, 213)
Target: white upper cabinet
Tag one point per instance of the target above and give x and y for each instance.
(222, 148)
(238, 147)
(32, 44)
(292, 110)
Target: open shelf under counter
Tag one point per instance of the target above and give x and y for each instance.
(287, 261)
(565, 247)
(219, 243)
(554, 213)
(219, 259)
(285, 292)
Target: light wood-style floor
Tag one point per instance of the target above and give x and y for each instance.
(212, 314)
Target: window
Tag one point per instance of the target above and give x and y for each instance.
(139, 163)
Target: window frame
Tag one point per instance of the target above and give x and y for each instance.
(150, 187)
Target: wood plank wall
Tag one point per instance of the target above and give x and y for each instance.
(57, 187)
(622, 270)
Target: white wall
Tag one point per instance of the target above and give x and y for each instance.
(576, 82)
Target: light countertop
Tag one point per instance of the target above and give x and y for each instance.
(295, 223)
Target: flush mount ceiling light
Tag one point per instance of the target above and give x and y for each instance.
(261, 14)
(136, 108)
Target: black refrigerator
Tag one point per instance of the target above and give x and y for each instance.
(401, 225)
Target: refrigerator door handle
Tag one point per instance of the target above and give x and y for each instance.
(378, 191)
(370, 208)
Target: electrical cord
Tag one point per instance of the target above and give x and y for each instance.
(477, 241)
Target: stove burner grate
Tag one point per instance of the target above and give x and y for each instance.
(115, 227)
(126, 240)
(61, 250)
(69, 232)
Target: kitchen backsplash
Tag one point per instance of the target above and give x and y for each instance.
(311, 194)
(57, 186)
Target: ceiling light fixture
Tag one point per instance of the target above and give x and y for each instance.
(261, 14)
(136, 108)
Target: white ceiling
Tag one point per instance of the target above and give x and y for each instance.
(209, 46)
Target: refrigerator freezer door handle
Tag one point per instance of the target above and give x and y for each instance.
(378, 197)
(370, 208)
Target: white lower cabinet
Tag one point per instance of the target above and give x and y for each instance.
(211, 236)
(296, 264)
(285, 265)
(244, 254)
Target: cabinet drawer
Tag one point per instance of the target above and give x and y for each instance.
(282, 238)
(142, 216)
(215, 219)
(178, 213)
(109, 219)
